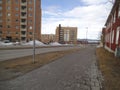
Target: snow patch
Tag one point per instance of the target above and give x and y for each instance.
(37, 43)
(55, 44)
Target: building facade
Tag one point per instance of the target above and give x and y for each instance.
(47, 38)
(111, 33)
(66, 35)
(17, 20)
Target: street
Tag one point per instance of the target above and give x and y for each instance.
(11, 54)
(76, 71)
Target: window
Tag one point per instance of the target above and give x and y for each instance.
(30, 27)
(8, 32)
(8, 26)
(114, 18)
(8, 8)
(30, 21)
(117, 34)
(0, 32)
(30, 2)
(16, 8)
(16, 20)
(30, 14)
(30, 33)
(16, 14)
(113, 36)
(8, 14)
(0, 14)
(0, 20)
(17, 27)
(30, 9)
(119, 11)
(8, 20)
(0, 26)
(16, 32)
(0, 8)
(16, 1)
(8, 1)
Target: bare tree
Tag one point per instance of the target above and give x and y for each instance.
(111, 1)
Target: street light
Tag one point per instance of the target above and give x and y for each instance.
(86, 34)
(34, 31)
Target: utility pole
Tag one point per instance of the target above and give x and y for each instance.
(34, 31)
(86, 35)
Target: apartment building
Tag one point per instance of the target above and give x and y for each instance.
(112, 31)
(47, 38)
(17, 20)
(66, 35)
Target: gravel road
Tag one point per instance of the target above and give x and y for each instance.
(76, 71)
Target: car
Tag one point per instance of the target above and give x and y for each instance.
(6, 41)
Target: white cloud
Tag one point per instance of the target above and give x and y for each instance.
(92, 16)
(91, 2)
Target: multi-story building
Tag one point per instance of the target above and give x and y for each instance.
(66, 35)
(112, 31)
(17, 20)
(47, 38)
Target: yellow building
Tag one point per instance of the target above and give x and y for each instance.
(47, 38)
(66, 35)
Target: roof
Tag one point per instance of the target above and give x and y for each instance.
(117, 2)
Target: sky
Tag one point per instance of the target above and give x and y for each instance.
(89, 16)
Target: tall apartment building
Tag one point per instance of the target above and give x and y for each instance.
(17, 20)
(66, 35)
(112, 31)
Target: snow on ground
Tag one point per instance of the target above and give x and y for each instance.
(37, 43)
(6, 44)
(30, 43)
(55, 44)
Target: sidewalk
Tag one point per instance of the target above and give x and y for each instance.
(76, 71)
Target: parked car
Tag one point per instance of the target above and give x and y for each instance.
(6, 41)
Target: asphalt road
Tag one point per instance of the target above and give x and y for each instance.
(76, 71)
(16, 53)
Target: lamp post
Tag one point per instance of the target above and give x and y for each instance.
(34, 31)
(86, 34)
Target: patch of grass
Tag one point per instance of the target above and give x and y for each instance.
(110, 67)
(16, 67)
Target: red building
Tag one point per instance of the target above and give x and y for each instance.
(112, 31)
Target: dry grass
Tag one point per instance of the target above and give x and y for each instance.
(110, 67)
(13, 68)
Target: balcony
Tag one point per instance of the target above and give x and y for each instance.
(23, 33)
(23, 3)
(23, 15)
(23, 22)
(23, 10)
(23, 28)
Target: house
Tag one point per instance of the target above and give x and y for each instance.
(111, 32)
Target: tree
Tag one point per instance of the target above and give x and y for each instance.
(111, 1)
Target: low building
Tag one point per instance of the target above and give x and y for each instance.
(47, 38)
(66, 35)
(112, 31)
